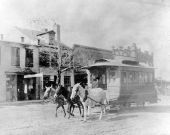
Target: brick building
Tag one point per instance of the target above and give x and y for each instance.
(84, 56)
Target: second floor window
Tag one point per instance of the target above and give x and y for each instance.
(48, 57)
(15, 56)
(28, 58)
(44, 59)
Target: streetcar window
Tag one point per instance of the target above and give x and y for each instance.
(150, 77)
(131, 77)
(136, 77)
(141, 78)
(145, 77)
(124, 77)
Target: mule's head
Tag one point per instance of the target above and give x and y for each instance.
(48, 89)
(75, 90)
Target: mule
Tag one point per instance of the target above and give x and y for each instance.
(96, 95)
(59, 100)
(71, 103)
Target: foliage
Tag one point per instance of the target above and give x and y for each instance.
(44, 58)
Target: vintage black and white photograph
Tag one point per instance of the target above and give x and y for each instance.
(84, 67)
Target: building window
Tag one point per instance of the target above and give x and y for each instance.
(15, 56)
(67, 81)
(29, 58)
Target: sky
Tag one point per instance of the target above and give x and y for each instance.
(99, 23)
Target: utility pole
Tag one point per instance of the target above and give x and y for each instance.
(59, 54)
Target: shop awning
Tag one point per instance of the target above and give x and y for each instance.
(33, 75)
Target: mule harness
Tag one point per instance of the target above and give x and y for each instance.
(95, 101)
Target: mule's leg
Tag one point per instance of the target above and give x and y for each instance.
(88, 111)
(71, 112)
(79, 106)
(64, 110)
(71, 109)
(104, 109)
(82, 110)
(58, 106)
(68, 110)
(84, 105)
(101, 113)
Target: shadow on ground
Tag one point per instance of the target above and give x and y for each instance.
(117, 118)
(151, 109)
(106, 117)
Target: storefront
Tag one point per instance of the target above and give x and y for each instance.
(33, 89)
(11, 87)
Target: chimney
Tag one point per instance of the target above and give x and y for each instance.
(22, 39)
(44, 30)
(56, 28)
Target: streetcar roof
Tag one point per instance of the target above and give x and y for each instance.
(116, 63)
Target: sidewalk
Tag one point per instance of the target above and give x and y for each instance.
(25, 102)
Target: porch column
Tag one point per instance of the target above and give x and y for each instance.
(88, 78)
(38, 88)
(41, 87)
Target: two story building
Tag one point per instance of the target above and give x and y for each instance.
(17, 60)
(29, 61)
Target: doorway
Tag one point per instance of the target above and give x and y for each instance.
(20, 87)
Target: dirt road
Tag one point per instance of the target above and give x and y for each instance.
(38, 119)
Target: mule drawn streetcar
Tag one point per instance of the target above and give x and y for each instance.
(126, 81)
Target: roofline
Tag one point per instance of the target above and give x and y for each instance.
(18, 43)
(110, 64)
(94, 48)
(22, 30)
(46, 32)
(88, 67)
